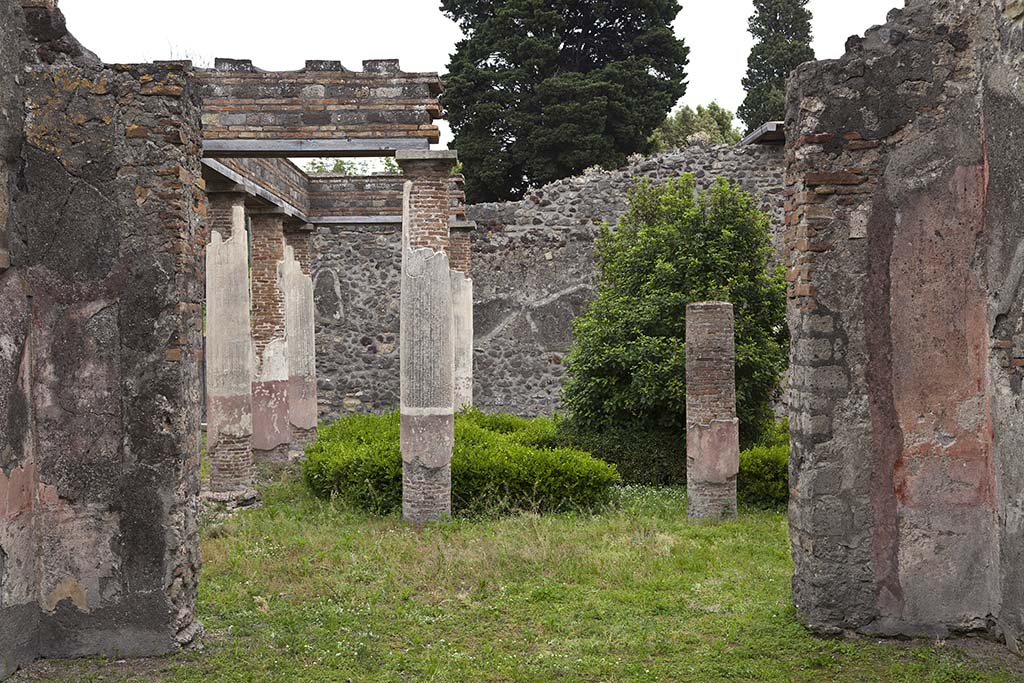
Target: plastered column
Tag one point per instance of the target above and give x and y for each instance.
(462, 313)
(426, 349)
(229, 354)
(300, 329)
(271, 425)
(712, 430)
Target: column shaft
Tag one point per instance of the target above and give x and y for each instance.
(300, 327)
(712, 430)
(462, 313)
(271, 427)
(229, 355)
(426, 350)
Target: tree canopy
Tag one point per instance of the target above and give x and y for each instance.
(673, 247)
(713, 122)
(541, 89)
(343, 166)
(782, 42)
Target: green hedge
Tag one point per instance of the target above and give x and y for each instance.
(764, 470)
(500, 463)
(657, 458)
(643, 456)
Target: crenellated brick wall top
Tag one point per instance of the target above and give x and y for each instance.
(322, 101)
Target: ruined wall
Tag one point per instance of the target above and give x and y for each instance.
(98, 363)
(906, 254)
(19, 614)
(533, 272)
(356, 281)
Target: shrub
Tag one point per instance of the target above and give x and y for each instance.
(675, 246)
(500, 463)
(764, 470)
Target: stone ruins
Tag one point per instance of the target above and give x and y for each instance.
(125, 188)
(906, 250)
(122, 189)
(533, 272)
(712, 429)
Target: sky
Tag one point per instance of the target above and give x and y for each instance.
(414, 31)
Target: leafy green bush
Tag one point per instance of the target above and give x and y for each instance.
(500, 463)
(675, 246)
(764, 470)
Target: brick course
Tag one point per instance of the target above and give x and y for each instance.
(267, 297)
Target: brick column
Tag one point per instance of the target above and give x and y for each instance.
(271, 431)
(301, 333)
(427, 354)
(712, 430)
(462, 312)
(229, 357)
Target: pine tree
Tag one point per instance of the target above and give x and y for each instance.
(541, 89)
(782, 35)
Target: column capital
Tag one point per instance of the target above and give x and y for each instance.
(462, 226)
(232, 198)
(267, 218)
(426, 161)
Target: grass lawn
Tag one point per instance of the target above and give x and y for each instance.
(305, 591)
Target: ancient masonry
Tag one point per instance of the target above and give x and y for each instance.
(905, 254)
(427, 349)
(101, 214)
(906, 251)
(712, 430)
(533, 272)
(229, 353)
(123, 188)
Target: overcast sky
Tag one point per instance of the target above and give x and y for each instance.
(282, 35)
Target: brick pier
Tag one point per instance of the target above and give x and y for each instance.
(712, 430)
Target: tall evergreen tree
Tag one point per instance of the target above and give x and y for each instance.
(541, 89)
(782, 42)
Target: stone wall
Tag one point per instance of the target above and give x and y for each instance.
(906, 254)
(19, 593)
(99, 434)
(532, 268)
(356, 281)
